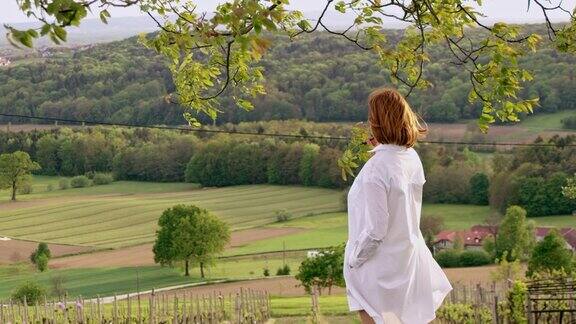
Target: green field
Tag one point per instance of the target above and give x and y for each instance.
(300, 306)
(331, 229)
(543, 121)
(90, 282)
(125, 213)
(47, 187)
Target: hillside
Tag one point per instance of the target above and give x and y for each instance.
(317, 77)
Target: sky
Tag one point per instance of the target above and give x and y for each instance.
(497, 10)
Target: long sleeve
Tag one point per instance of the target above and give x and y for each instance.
(377, 218)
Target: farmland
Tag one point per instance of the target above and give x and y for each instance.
(120, 220)
(105, 218)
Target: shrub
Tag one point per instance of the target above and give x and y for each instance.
(80, 182)
(464, 313)
(282, 215)
(41, 256)
(64, 183)
(50, 187)
(474, 258)
(58, 288)
(517, 302)
(266, 272)
(569, 122)
(25, 189)
(42, 262)
(448, 258)
(283, 271)
(31, 292)
(102, 179)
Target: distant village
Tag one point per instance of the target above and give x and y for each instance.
(473, 238)
(9, 55)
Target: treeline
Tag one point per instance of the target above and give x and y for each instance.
(154, 155)
(530, 177)
(318, 77)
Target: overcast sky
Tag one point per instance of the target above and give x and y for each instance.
(497, 10)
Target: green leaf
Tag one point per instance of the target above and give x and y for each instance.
(104, 15)
(245, 104)
(60, 32)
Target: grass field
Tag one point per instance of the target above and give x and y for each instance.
(126, 213)
(543, 122)
(41, 189)
(300, 306)
(90, 282)
(331, 229)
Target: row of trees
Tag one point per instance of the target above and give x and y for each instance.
(124, 82)
(172, 157)
(531, 177)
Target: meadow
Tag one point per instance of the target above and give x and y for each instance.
(90, 282)
(125, 213)
(330, 229)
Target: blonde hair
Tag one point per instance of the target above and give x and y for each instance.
(392, 120)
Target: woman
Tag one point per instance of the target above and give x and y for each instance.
(391, 276)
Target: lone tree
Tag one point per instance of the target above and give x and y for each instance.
(191, 235)
(551, 254)
(324, 270)
(15, 171)
(41, 256)
(515, 236)
(209, 52)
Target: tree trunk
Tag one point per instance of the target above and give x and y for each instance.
(187, 271)
(202, 269)
(13, 190)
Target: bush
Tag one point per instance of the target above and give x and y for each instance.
(569, 122)
(266, 272)
(50, 187)
(448, 258)
(25, 189)
(41, 256)
(64, 183)
(80, 182)
(474, 258)
(464, 313)
(283, 271)
(282, 215)
(102, 179)
(31, 292)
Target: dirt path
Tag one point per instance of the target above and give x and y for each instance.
(142, 255)
(17, 250)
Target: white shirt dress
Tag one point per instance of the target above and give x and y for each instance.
(389, 270)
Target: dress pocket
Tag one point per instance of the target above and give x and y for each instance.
(353, 254)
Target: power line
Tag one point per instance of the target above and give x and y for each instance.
(204, 130)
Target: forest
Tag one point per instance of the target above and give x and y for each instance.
(531, 177)
(318, 77)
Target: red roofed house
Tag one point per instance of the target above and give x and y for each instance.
(568, 233)
(471, 239)
(474, 237)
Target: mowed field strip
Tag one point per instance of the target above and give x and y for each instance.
(112, 221)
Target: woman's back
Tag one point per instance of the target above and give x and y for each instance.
(397, 273)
